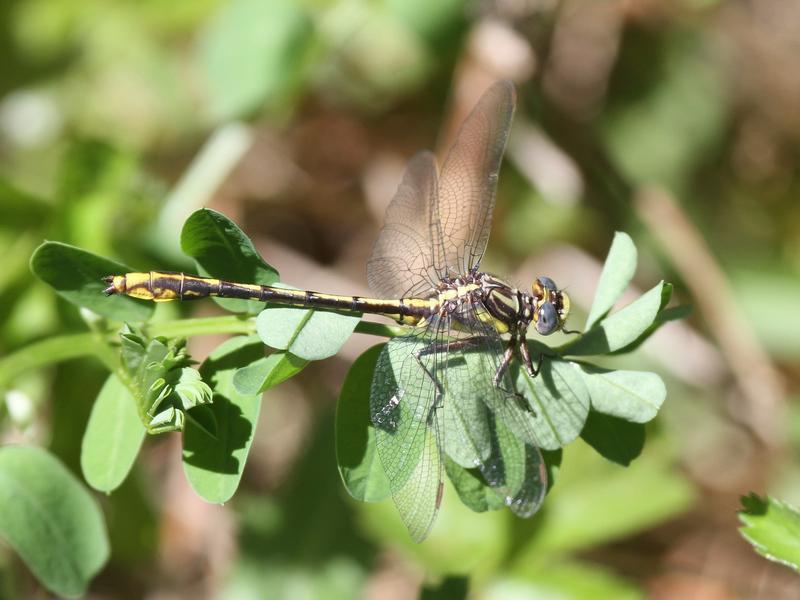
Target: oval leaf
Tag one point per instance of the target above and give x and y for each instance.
(213, 464)
(77, 276)
(559, 399)
(50, 520)
(635, 396)
(266, 372)
(308, 334)
(472, 489)
(221, 249)
(359, 466)
(621, 328)
(617, 440)
(773, 528)
(617, 273)
(113, 437)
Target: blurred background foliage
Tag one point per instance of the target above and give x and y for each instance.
(676, 122)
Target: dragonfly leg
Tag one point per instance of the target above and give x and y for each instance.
(508, 356)
(438, 347)
(526, 359)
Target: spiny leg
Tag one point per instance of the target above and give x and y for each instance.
(443, 347)
(526, 359)
(508, 356)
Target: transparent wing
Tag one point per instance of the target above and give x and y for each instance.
(468, 178)
(408, 256)
(408, 430)
(509, 459)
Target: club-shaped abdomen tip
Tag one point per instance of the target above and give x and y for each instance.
(116, 285)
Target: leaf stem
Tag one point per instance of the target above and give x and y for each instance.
(185, 328)
(380, 329)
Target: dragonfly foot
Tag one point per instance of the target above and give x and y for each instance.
(523, 403)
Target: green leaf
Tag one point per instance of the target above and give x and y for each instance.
(113, 437)
(559, 399)
(617, 440)
(77, 276)
(472, 489)
(308, 334)
(50, 520)
(214, 465)
(361, 471)
(622, 327)
(634, 396)
(664, 316)
(220, 249)
(276, 38)
(267, 372)
(773, 528)
(617, 272)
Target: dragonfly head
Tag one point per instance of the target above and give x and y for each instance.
(551, 306)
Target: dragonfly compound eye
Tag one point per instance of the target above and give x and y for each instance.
(542, 287)
(548, 283)
(548, 319)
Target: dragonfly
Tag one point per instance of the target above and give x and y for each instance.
(442, 393)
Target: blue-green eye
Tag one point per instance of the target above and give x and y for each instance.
(548, 283)
(548, 319)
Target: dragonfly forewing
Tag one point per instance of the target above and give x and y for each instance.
(408, 256)
(468, 178)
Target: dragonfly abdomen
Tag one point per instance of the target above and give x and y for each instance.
(162, 286)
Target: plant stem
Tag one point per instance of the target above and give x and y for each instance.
(45, 352)
(66, 347)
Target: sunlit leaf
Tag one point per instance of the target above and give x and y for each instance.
(620, 328)
(267, 371)
(308, 334)
(50, 520)
(77, 276)
(773, 529)
(113, 437)
(631, 395)
(618, 270)
(220, 249)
